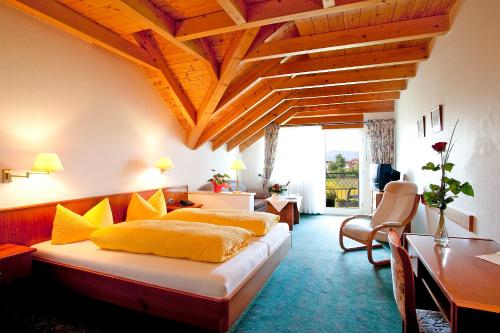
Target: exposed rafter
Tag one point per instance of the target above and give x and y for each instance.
(70, 21)
(352, 118)
(350, 89)
(236, 9)
(155, 19)
(344, 39)
(264, 13)
(393, 95)
(380, 106)
(146, 40)
(242, 40)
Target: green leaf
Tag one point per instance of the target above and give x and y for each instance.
(429, 166)
(448, 166)
(449, 200)
(467, 189)
(434, 187)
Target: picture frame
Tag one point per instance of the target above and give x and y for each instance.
(421, 127)
(436, 119)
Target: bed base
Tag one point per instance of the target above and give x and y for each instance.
(205, 312)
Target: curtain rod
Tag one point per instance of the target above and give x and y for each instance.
(326, 124)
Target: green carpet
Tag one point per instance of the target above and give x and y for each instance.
(317, 288)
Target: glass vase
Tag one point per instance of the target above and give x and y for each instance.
(441, 236)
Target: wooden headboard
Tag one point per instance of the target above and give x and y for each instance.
(33, 224)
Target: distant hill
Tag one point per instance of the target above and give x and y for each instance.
(348, 155)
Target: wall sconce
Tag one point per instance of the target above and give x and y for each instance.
(45, 163)
(237, 166)
(164, 164)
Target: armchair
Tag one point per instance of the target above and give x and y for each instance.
(396, 210)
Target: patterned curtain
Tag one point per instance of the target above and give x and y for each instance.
(271, 141)
(381, 135)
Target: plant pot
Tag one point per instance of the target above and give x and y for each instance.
(218, 188)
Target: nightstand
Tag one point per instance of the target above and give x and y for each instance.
(15, 262)
(178, 206)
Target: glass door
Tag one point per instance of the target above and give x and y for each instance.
(343, 154)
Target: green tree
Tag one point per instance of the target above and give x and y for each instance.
(337, 165)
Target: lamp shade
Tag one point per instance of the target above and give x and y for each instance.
(238, 165)
(164, 163)
(47, 162)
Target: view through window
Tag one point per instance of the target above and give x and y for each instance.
(342, 151)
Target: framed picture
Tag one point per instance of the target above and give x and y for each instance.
(421, 127)
(436, 121)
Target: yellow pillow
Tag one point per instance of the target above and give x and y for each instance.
(100, 215)
(140, 209)
(70, 227)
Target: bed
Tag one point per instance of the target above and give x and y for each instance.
(208, 295)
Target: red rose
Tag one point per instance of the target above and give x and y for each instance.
(439, 146)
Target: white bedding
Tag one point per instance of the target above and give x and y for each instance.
(200, 278)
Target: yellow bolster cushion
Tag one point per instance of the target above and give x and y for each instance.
(69, 227)
(152, 209)
(258, 222)
(176, 239)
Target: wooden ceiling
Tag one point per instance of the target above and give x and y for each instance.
(228, 68)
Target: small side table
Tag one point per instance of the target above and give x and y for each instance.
(289, 213)
(15, 262)
(176, 206)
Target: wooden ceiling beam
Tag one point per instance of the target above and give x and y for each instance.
(385, 96)
(350, 89)
(146, 40)
(236, 9)
(384, 106)
(70, 21)
(259, 124)
(332, 112)
(344, 39)
(346, 77)
(152, 17)
(398, 56)
(352, 118)
(242, 40)
(273, 101)
(342, 126)
(264, 13)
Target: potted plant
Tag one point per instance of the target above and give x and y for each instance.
(439, 196)
(277, 189)
(219, 181)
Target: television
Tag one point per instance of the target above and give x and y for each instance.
(381, 174)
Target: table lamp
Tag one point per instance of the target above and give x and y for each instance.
(238, 165)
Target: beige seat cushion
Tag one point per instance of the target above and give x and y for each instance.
(360, 229)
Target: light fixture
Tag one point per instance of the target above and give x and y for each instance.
(238, 165)
(45, 163)
(164, 164)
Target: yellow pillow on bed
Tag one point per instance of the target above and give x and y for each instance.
(69, 227)
(152, 209)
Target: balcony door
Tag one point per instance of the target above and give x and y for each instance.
(344, 157)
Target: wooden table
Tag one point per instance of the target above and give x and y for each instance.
(464, 288)
(289, 214)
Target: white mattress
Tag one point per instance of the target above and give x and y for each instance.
(200, 278)
(274, 238)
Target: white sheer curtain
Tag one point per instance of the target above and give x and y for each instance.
(300, 159)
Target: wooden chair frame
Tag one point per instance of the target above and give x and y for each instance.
(368, 243)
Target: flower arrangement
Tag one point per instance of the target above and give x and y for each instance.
(439, 196)
(219, 181)
(277, 188)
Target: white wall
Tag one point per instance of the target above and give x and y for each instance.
(463, 74)
(95, 109)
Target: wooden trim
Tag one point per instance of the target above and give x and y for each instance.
(370, 97)
(326, 120)
(28, 225)
(343, 77)
(321, 113)
(232, 60)
(146, 40)
(342, 126)
(462, 219)
(61, 17)
(391, 57)
(359, 37)
(264, 13)
(205, 312)
(154, 18)
(236, 9)
(349, 89)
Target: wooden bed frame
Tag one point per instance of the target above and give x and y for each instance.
(33, 224)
